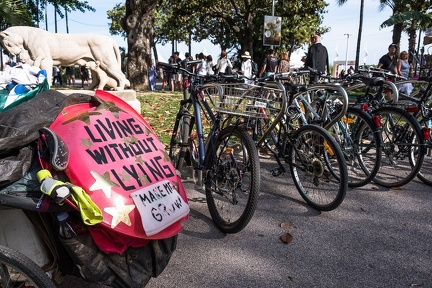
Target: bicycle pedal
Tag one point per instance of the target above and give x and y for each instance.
(277, 172)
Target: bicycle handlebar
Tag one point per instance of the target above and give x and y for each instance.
(382, 72)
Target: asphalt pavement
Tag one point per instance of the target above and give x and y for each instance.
(378, 237)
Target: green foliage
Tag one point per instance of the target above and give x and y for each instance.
(13, 13)
(234, 25)
(424, 20)
(116, 15)
(160, 110)
(30, 12)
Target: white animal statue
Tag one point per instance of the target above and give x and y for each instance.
(47, 49)
(99, 77)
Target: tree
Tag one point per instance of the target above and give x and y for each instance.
(13, 13)
(410, 21)
(137, 24)
(68, 6)
(234, 25)
(397, 6)
(238, 25)
(360, 31)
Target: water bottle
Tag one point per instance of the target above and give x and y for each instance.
(65, 229)
(430, 124)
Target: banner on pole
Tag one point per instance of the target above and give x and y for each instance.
(272, 31)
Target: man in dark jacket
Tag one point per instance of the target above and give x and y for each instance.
(317, 56)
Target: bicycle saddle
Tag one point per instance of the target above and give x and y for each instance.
(369, 81)
(294, 88)
(53, 149)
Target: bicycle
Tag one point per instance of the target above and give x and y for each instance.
(315, 160)
(326, 104)
(227, 158)
(403, 141)
(418, 103)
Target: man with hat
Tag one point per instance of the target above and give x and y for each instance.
(389, 60)
(246, 66)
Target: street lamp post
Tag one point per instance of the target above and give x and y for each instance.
(273, 8)
(346, 53)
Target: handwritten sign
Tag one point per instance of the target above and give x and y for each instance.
(159, 205)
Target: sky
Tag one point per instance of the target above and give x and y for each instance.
(341, 19)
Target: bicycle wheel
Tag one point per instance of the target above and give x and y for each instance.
(180, 152)
(318, 167)
(232, 183)
(402, 149)
(425, 173)
(16, 270)
(361, 146)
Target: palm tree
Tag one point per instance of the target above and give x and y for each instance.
(411, 21)
(340, 3)
(397, 6)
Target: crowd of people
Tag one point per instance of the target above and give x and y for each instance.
(70, 72)
(172, 80)
(317, 58)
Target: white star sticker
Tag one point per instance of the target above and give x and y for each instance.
(120, 213)
(102, 182)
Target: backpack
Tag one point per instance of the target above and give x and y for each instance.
(254, 68)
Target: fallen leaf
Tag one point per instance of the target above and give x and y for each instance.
(286, 224)
(286, 237)
(374, 188)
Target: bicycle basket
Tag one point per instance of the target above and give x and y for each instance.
(247, 100)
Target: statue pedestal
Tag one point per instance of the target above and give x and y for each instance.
(129, 96)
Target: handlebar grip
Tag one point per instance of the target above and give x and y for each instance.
(169, 65)
(191, 62)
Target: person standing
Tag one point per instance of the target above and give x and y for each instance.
(389, 61)
(70, 74)
(246, 65)
(317, 57)
(56, 75)
(171, 75)
(84, 75)
(210, 65)
(178, 75)
(269, 65)
(152, 76)
(223, 63)
(284, 64)
(403, 68)
(202, 66)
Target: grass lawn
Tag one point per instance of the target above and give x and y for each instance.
(160, 109)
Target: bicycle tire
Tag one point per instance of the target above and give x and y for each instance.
(17, 270)
(425, 173)
(233, 181)
(180, 149)
(318, 167)
(362, 150)
(403, 147)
